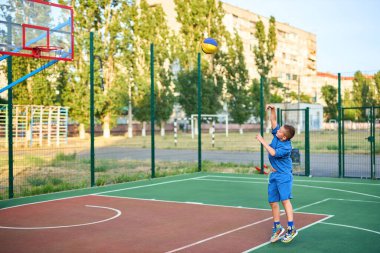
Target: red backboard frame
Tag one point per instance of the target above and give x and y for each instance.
(25, 50)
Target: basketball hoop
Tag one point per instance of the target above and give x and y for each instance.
(45, 49)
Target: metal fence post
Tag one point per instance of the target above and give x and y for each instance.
(10, 113)
(10, 129)
(307, 143)
(340, 167)
(152, 109)
(92, 110)
(262, 123)
(372, 139)
(199, 113)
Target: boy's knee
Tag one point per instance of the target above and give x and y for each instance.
(273, 204)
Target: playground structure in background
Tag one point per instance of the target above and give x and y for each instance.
(35, 125)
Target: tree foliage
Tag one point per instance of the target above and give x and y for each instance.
(363, 92)
(186, 83)
(264, 52)
(329, 94)
(199, 19)
(376, 79)
(237, 80)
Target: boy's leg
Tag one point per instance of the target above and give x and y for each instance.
(291, 231)
(273, 199)
(285, 190)
(288, 209)
(275, 211)
(277, 231)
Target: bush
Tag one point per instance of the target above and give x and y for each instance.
(332, 147)
(61, 157)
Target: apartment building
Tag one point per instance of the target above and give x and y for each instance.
(295, 57)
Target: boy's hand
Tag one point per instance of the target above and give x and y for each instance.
(259, 138)
(271, 151)
(273, 116)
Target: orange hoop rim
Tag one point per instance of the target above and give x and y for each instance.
(46, 48)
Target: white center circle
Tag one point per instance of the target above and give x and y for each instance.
(118, 213)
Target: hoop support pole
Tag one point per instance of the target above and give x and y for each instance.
(50, 63)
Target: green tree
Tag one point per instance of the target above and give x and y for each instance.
(376, 79)
(348, 102)
(76, 93)
(255, 97)
(362, 92)
(273, 98)
(186, 86)
(109, 51)
(236, 74)
(303, 98)
(199, 19)
(265, 51)
(150, 27)
(329, 94)
(277, 87)
(165, 99)
(141, 102)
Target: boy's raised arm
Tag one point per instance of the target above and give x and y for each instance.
(273, 116)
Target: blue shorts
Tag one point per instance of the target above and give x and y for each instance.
(279, 187)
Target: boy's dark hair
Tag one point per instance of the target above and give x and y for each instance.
(289, 131)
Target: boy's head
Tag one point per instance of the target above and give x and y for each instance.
(286, 132)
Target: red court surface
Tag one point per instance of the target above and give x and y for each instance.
(130, 225)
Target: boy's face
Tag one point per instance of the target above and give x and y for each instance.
(281, 134)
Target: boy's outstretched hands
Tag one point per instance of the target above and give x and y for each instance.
(260, 138)
(270, 107)
(270, 150)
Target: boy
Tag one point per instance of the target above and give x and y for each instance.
(281, 178)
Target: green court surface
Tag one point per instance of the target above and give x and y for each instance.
(352, 205)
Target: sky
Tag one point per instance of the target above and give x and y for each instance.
(347, 31)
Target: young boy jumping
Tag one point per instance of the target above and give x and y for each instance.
(281, 178)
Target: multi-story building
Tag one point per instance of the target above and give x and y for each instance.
(295, 57)
(295, 62)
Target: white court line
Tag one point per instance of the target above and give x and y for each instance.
(312, 204)
(237, 229)
(148, 185)
(187, 202)
(356, 200)
(340, 190)
(296, 180)
(311, 224)
(347, 226)
(92, 194)
(118, 213)
(300, 185)
(218, 235)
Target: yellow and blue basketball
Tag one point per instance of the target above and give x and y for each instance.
(209, 46)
